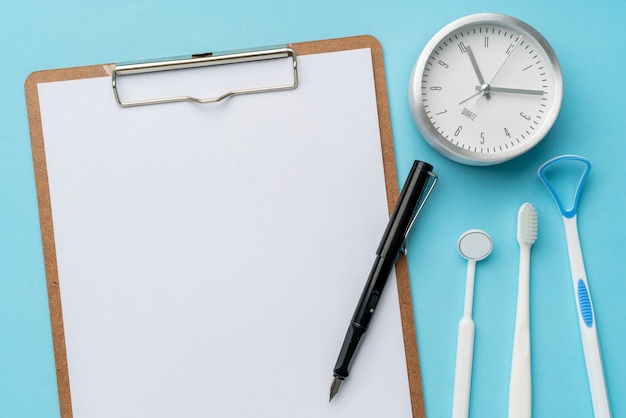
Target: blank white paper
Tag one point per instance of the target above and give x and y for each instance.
(211, 256)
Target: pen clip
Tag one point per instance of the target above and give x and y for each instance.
(433, 180)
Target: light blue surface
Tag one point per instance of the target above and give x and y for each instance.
(588, 38)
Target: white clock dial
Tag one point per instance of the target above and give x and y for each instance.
(486, 89)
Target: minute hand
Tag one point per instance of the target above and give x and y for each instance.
(514, 91)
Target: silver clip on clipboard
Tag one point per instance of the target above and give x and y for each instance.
(204, 60)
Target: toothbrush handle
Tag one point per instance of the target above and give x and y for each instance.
(587, 323)
(463, 370)
(520, 384)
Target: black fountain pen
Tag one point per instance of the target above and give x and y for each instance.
(399, 225)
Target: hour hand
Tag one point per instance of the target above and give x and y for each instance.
(481, 79)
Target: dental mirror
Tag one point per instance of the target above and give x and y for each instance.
(474, 245)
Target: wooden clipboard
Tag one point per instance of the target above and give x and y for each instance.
(54, 282)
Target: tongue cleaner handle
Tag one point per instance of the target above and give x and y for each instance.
(584, 305)
(587, 323)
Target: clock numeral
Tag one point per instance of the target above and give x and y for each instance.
(525, 116)
(506, 132)
(462, 47)
(482, 137)
(458, 131)
(443, 64)
(436, 88)
(442, 112)
(486, 42)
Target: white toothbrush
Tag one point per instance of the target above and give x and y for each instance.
(473, 245)
(520, 383)
(584, 306)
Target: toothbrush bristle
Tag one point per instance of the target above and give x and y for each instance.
(527, 224)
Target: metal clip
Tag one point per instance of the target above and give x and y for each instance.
(404, 249)
(205, 60)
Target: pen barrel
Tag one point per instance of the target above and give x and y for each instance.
(363, 314)
(348, 350)
(371, 293)
(401, 218)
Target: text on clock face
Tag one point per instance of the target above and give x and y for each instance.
(468, 114)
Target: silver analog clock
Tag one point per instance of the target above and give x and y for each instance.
(485, 89)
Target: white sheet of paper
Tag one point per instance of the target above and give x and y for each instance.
(210, 257)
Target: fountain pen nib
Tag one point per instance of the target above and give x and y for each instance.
(334, 387)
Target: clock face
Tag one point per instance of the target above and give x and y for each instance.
(485, 89)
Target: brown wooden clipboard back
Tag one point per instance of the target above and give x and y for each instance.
(47, 230)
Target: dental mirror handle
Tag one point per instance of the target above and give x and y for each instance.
(464, 350)
(463, 372)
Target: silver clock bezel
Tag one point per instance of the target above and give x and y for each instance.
(430, 133)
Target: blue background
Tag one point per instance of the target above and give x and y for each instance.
(588, 38)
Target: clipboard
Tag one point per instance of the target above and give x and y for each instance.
(60, 225)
